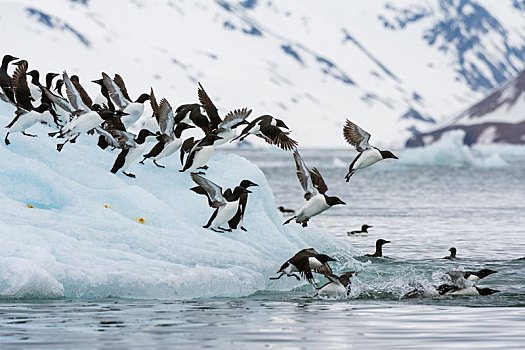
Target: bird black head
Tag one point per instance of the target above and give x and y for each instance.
(331, 201)
(49, 79)
(452, 251)
(143, 133)
(143, 98)
(281, 124)
(96, 107)
(485, 272)
(34, 74)
(247, 183)
(75, 79)
(365, 227)
(8, 58)
(381, 241)
(486, 291)
(324, 258)
(387, 154)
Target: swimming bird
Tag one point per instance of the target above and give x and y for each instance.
(225, 204)
(170, 139)
(25, 119)
(6, 83)
(130, 153)
(472, 276)
(315, 193)
(368, 154)
(364, 229)
(447, 289)
(338, 286)
(286, 210)
(119, 94)
(199, 153)
(452, 255)
(304, 262)
(268, 128)
(379, 248)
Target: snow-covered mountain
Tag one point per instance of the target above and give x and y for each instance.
(497, 118)
(393, 67)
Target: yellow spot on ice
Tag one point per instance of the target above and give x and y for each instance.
(29, 206)
(107, 206)
(141, 220)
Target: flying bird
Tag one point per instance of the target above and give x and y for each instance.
(368, 154)
(315, 189)
(304, 262)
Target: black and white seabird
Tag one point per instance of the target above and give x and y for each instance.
(472, 276)
(285, 210)
(6, 83)
(225, 204)
(35, 85)
(379, 248)
(452, 255)
(21, 88)
(315, 189)
(129, 154)
(25, 119)
(238, 218)
(119, 94)
(368, 154)
(269, 129)
(304, 262)
(364, 229)
(448, 289)
(199, 152)
(338, 286)
(170, 139)
(81, 91)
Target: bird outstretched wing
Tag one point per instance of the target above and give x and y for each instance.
(114, 92)
(209, 107)
(73, 95)
(213, 190)
(275, 136)
(303, 174)
(166, 118)
(120, 83)
(318, 181)
(356, 136)
(20, 87)
(154, 105)
(234, 117)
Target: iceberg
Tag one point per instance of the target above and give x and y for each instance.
(451, 151)
(70, 228)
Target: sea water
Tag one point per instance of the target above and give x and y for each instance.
(424, 207)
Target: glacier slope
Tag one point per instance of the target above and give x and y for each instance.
(70, 244)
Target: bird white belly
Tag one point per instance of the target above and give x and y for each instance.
(24, 122)
(202, 157)
(367, 158)
(333, 290)
(83, 123)
(132, 155)
(466, 291)
(226, 137)
(316, 205)
(314, 263)
(225, 214)
(169, 149)
(135, 111)
(290, 268)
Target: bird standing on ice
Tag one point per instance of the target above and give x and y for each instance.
(368, 154)
(226, 204)
(315, 193)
